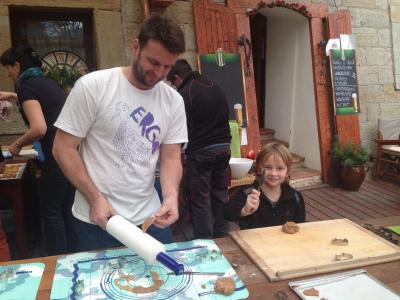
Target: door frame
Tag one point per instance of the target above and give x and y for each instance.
(320, 31)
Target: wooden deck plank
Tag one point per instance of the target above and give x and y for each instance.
(372, 202)
(390, 203)
(314, 214)
(359, 203)
(387, 185)
(354, 204)
(311, 218)
(384, 193)
(375, 199)
(341, 205)
(312, 200)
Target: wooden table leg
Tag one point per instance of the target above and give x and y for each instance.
(19, 223)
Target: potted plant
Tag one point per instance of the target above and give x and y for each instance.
(354, 162)
(64, 76)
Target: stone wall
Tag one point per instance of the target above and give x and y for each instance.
(180, 11)
(372, 26)
(376, 26)
(108, 38)
(377, 48)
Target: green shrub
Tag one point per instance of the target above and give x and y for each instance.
(65, 77)
(350, 154)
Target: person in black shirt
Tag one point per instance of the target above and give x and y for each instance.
(272, 203)
(42, 100)
(205, 179)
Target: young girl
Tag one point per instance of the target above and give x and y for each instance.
(272, 203)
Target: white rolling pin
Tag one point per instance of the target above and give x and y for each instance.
(143, 244)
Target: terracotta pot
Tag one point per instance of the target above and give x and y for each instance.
(352, 177)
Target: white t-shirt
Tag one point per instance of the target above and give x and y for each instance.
(123, 128)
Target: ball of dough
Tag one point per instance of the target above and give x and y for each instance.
(290, 227)
(225, 286)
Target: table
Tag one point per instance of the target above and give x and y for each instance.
(257, 284)
(14, 189)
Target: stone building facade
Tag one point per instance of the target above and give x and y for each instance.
(375, 24)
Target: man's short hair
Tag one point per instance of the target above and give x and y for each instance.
(164, 31)
(181, 68)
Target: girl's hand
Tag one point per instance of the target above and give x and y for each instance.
(252, 203)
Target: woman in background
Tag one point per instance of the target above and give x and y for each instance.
(41, 100)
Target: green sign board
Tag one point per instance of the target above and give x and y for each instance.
(344, 81)
(229, 76)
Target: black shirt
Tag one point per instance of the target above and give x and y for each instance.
(207, 112)
(289, 207)
(51, 98)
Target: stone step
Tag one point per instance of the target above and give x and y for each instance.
(303, 177)
(298, 161)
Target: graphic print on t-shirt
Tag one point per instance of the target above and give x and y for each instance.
(137, 135)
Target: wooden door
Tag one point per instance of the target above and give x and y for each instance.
(347, 126)
(217, 26)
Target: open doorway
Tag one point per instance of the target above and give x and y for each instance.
(283, 73)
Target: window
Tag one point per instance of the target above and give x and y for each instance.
(49, 31)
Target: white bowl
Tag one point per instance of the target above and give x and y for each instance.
(240, 167)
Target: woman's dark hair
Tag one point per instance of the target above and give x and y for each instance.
(164, 31)
(24, 55)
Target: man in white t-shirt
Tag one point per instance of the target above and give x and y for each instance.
(122, 120)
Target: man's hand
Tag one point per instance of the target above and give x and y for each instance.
(167, 214)
(252, 203)
(100, 211)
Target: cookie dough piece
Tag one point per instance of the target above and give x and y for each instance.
(225, 286)
(290, 227)
(340, 242)
(311, 292)
(343, 256)
(147, 223)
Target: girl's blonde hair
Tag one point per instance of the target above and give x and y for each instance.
(274, 148)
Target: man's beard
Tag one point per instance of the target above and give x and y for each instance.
(140, 74)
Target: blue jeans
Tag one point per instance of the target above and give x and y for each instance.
(88, 237)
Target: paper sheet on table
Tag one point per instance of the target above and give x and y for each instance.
(29, 153)
(360, 286)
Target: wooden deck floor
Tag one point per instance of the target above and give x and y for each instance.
(375, 199)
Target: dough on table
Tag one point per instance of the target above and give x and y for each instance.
(225, 286)
(290, 227)
(311, 292)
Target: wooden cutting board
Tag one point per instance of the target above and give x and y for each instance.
(310, 251)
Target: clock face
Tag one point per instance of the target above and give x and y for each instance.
(64, 59)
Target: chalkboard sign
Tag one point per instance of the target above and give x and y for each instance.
(344, 81)
(228, 76)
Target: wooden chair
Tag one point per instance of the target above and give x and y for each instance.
(388, 157)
